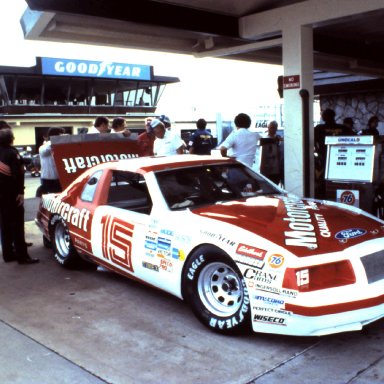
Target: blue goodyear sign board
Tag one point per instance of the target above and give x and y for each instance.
(103, 69)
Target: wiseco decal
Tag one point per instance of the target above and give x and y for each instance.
(270, 319)
(302, 232)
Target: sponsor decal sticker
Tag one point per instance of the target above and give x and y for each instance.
(272, 310)
(350, 233)
(260, 276)
(73, 164)
(178, 254)
(275, 261)
(166, 265)
(166, 232)
(270, 319)
(280, 291)
(150, 266)
(150, 243)
(75, 216)
(218, 237)
(269, 300)
(248, 250)
(302, 231)
(163, 247)
(323, 226)
(249, 255)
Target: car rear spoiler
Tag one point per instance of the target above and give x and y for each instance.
(73, 154)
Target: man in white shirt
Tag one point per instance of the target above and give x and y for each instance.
(49, 178)
(101, 125)
(241, 143)
(167, 142)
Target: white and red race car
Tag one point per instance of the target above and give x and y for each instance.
(243, 253)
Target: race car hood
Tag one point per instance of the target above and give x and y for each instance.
(304, 227)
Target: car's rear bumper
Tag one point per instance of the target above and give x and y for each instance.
(299, 325)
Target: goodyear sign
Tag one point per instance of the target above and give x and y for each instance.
(103, 69)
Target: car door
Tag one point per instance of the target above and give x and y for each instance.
(120, 225)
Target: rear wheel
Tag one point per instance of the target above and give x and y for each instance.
(63, 249)
(216, 291)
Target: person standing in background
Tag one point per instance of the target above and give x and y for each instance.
(166, 121)
(241, 143)
(50, 182)
(167, 142)
(119, 125)
(348, 122)
(329, 127)
(146, 139)
(201, 141)
(5, 125)
(13, 244)
(273, 154)
(101, 125)
(371, 130)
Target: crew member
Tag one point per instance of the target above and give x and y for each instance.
(11, 202)
(166, 142)
(201, 141)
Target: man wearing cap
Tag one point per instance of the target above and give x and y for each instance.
(167, 142)
(166, 121)
(146, 139)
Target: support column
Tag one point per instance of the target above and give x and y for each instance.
(298, 61)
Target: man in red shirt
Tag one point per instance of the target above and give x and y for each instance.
(146, 139)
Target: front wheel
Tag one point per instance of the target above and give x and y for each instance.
(216, 291)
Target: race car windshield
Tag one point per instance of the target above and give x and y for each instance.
(210, 184)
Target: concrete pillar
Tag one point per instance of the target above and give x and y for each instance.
(297, 60)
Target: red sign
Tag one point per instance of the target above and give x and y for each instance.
(291, 82)
(74, 154)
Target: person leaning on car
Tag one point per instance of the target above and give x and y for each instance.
(13, 243)
(167, 142)
(50, 182)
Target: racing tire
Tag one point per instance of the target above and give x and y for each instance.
(216, 291)
(63, 249)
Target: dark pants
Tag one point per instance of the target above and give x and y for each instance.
(12, 227)
(48, 186)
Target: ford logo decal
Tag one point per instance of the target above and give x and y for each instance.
(350, 233)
